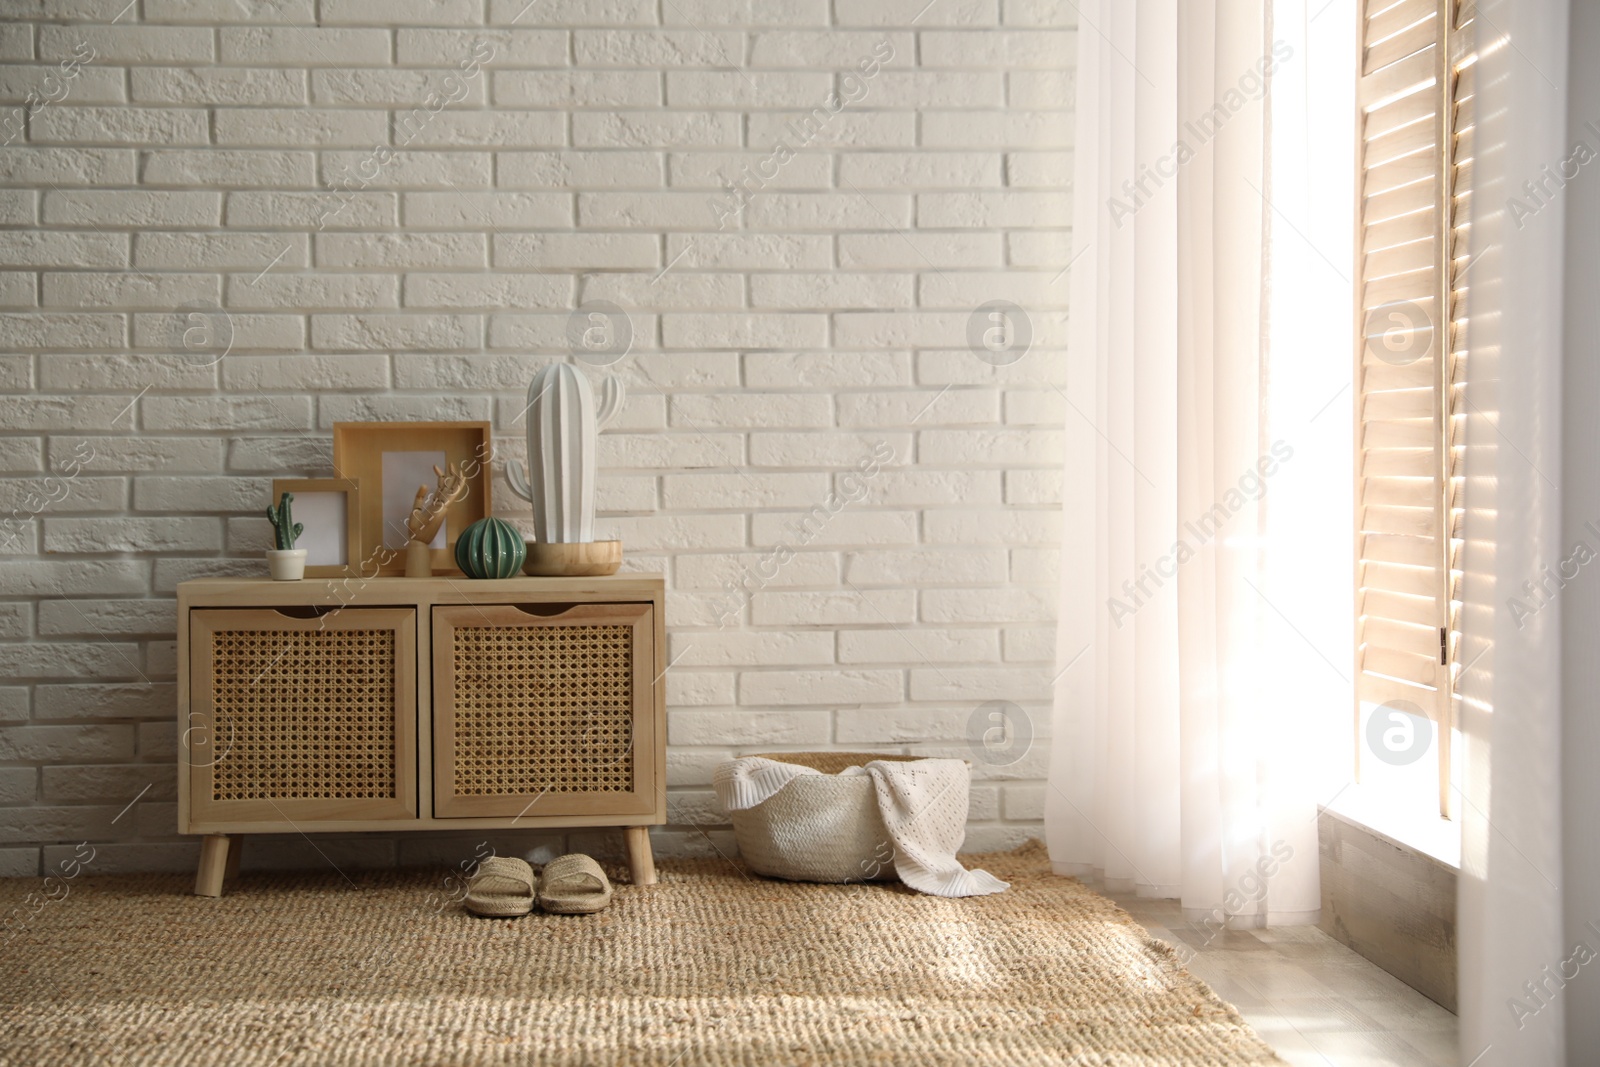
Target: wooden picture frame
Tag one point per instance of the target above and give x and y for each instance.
(338, 551)
(362, 451)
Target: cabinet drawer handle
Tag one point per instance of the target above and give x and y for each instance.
(544, 611)
(306, 611)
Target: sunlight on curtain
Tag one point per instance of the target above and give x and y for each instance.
(1186, 711)
(1308, 532)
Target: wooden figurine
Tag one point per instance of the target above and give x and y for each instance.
(427, 515)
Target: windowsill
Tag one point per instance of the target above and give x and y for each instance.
(1401, 824)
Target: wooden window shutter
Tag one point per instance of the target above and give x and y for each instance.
(1461, 96)
(1413, 185)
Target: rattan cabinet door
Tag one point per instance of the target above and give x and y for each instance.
(302, 719)
(543, 710)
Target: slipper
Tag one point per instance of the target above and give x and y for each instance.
(574, 885)
(503, 888)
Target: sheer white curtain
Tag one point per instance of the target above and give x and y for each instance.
(1173, 756)
(1509, 914)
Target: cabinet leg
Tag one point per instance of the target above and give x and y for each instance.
(641, 864)
(235, 851)
(213, 865)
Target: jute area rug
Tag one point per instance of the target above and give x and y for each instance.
(711, 966)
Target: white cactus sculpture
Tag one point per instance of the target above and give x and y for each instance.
(563, 428)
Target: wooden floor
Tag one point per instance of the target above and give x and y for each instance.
(1315, 1001)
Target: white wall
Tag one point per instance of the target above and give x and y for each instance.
(196, 284)
(1580, 505)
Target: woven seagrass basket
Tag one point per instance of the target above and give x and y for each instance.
(819, 828)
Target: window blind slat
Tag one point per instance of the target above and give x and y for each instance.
(1413, 638)
(1411, 77)
(1397, 404)
(1387, 262)
(1397, 606)
(1418, 670)
(1398, 435)
(1396, 202)
(1412, 286)
(1408, 522)
(1403, 462)
(1397, 492)
(1399, 230)
(1386, 22)
(1414, 135)
(1384, 377)
(1393, 548)
(1395, 173)
(1413, 38)
(1384, 121)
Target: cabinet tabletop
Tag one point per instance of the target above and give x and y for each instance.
(459, 589)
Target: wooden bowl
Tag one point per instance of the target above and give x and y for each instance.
(573, 560)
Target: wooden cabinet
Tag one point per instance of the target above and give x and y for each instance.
(420, 704)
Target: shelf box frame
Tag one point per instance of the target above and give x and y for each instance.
(637, 801)
(208, 742)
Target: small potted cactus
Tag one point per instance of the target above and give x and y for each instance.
(286, 562)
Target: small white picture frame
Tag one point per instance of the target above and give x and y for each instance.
(330, 511)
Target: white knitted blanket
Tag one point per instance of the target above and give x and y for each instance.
(923, 804)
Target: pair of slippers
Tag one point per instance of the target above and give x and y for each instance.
(505, 887)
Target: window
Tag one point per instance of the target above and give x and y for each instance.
(1413, 171)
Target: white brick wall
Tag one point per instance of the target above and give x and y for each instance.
(390, 226)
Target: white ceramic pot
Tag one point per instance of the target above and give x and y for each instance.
(287, 564)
